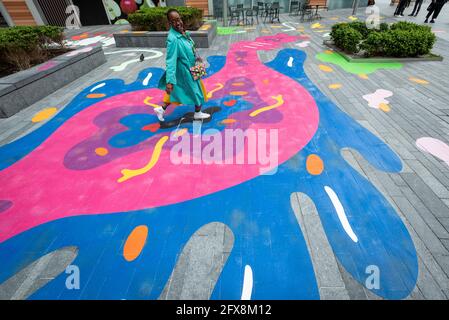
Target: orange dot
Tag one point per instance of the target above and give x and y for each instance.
(230, 103)
(384, 107)
(419, 81)
(314, 164)
(227, 121)
(135, 242)
(335, 86)
(101, 151)
(153, 127)
(325, 68)
(238, 93)
(95, 95)
(363, 76)
(44, 114)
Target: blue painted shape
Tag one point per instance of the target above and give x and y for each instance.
(383, 239)
(216, 63)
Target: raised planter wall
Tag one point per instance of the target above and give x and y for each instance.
(22, 89)
(203, 37)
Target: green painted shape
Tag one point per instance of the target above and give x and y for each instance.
(359, 67)
(224, 31)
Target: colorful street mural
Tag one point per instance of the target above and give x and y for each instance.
(96, 181)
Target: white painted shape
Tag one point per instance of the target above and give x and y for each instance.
(288, 26)
(341, 213)
(147, 79)
(90, 41)
(123, 66)
(247, 283)
(303, 44)
(155, 53)
(101, 85)
(290, 62)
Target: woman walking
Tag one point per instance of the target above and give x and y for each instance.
(178, 82)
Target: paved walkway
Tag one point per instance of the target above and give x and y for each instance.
(357, 209)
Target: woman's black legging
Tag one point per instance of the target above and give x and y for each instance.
(417, 7)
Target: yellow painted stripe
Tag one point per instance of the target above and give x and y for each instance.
(129, 173)
(279, 102)
(148, 103)
(219, 86)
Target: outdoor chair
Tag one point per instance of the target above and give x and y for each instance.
(251, 13)
(294, 8)
(272, 12)
(234, 15)
(306, 11)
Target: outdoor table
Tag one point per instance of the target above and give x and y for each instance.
(242, 11)
(276, 14)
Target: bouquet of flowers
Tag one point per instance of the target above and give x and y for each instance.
(198, 71)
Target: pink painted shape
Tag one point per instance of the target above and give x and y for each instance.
(43, 190)
(435, 147)
(46, 66)
(378, 97)
(77, 52)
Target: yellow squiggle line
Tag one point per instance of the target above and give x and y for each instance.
(280, 102)
(219, 87)
(146, 101)
(129, 173)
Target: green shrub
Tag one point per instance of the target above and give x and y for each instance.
(155, 19)
(401, 39)
(347, 38)
(374, 44)
(21, 46)
(384, 27)
(360, 27)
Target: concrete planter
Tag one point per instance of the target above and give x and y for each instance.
(203, 37)
(22, 89)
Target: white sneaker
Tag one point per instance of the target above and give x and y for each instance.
(201, 115)
(160, 113)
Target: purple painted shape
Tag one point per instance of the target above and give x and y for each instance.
(240, 58)
(435, 147)
(273, 116)
(82, 156)
(5, 205)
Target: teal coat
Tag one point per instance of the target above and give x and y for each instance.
(180, 58)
